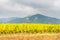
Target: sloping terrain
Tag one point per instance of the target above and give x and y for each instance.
(38, 18)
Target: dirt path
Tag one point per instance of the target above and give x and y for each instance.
(30, 37)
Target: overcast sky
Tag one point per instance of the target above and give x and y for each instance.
(23, 8)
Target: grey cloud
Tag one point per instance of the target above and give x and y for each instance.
(45, 7)
(42, 5)
(35, 3)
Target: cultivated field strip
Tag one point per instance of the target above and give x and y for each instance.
(31, 36)
(29, 28)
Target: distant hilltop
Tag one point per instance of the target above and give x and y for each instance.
(38, 18)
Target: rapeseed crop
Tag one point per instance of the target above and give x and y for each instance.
(29, 28)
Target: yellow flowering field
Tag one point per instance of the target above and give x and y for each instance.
(29, 28)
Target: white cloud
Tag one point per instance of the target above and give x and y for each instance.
(22, 8)
(4, 1)
(57, 3)
(10, 9)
